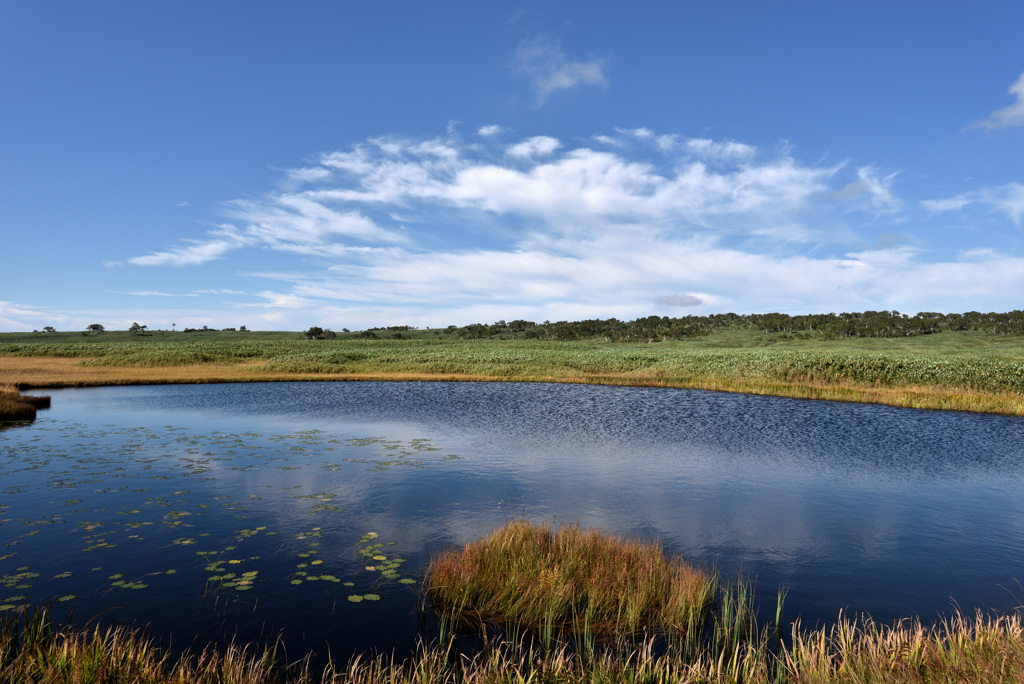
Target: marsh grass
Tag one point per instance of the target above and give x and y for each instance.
(33, 650)
(565, 579)
(982, 649)
(17, 407)
(966, 371)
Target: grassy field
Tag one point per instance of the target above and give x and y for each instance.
(968, 371)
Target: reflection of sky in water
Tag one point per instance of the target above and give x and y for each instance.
(872, 508)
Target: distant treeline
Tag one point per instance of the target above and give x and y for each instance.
(824, 326)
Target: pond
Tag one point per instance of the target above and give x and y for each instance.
(310, 510)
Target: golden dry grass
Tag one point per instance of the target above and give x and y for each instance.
(978, 650)
(25, 372)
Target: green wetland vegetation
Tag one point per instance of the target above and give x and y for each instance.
(970, 362)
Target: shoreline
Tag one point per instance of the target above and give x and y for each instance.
(39, 372)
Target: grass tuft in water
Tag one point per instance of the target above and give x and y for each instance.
(15, 406)
(560, 580)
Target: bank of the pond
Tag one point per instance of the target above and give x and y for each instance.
(798, 378)
(977, 649)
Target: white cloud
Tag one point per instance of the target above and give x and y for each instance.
(549, 70)
(537, 146)
(299, 221)
(583, 182)
(877, 191)
(309, 174)
(949, 204)
(1006, 199)
(25, 317)
(608, 140)
(621, 277)
(198, 252)
(488, 131)
(727, 151)
(665, 143)
(978, 254)
(1012, 115)
(437, 231)
(280, 300)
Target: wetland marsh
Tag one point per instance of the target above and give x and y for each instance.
(310, 510)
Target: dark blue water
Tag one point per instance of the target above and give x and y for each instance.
(137, 502)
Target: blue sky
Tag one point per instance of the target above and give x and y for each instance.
(281, 165)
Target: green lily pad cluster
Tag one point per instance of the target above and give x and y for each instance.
(377, 561)
(122, 494)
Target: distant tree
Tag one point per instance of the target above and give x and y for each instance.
(318, 333)
(49, 329)
(135, 329)
(242, 328)
(94, 328)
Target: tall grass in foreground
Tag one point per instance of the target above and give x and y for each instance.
(537, 577)
(33, 651)
(981, 649)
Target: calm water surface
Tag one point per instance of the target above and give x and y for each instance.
(216, 511)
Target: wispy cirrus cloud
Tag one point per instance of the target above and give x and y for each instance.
(14, 316)
(304, 223)
(727, 151)
(1012, 115)
(548, 69)
(876, 190)
(1006, 199)
(195, 253)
